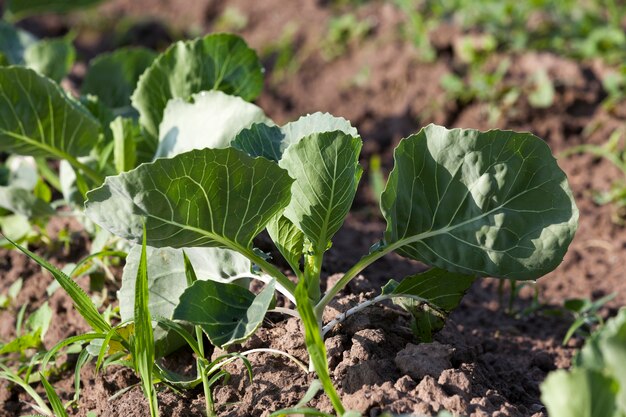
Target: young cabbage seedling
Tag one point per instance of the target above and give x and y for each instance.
(468, 203)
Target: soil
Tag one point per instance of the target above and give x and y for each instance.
(485, 362)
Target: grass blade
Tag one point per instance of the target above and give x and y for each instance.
(143, 345)
(83, 358)
(82, 302)
(299, 411)
(310, 393)
(6, 373)
(104, 348)
(70, 340)
(315, 346)
(100, 254)
(53, 397)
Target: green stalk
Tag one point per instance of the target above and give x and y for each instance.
(363, 263)
(202, 370)
(370, 258)
(269, 269)
(312, 272)
(190, 274)
(48, 174)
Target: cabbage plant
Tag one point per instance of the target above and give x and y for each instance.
(467, 203)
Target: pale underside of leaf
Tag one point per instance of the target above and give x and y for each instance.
(22, 172)
(167, 275)
(211, 120)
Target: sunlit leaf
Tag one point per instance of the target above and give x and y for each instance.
(288, 239)
(492, 204)
(579, 393)
(271, 141)
(209, 197)
(326, 172)
(51, 57)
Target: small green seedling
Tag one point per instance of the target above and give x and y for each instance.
(614, 151)
(344, 31)
(596, 384)
(7, 297)
(20, 357)
(29, 332)
(111, 340)
(586, 315)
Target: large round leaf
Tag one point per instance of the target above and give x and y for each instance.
(216, 62)
(207, 197)
(492, 204)
(37, 118)
(323, 158)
